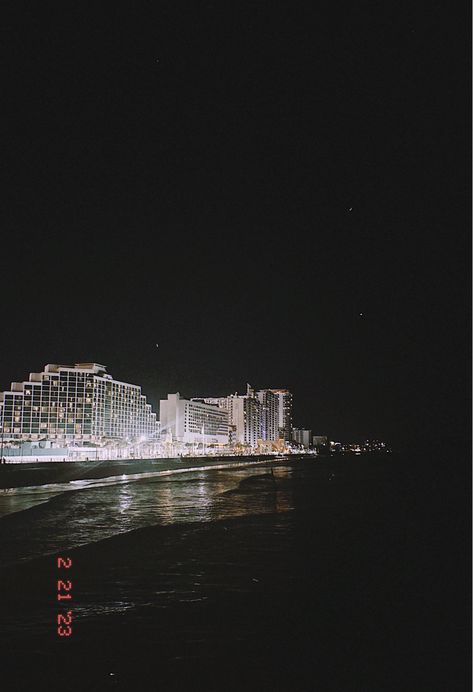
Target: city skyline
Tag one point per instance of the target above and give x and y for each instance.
(83, 403)
(271, 409)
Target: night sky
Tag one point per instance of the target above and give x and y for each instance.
(274, 193)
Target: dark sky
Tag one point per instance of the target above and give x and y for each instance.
(238, 182)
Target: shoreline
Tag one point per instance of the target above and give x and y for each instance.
(38, 474)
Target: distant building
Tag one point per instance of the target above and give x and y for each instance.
(269, 411)
(251, 409)
(225, 402)
(284, 413)
(257, 415)
(75, 404)
(235, 409)
(193, 421)
(302, 437)
(244, 416)
(320, 442)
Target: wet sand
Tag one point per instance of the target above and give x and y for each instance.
(37, 473)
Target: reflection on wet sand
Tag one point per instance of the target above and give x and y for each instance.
(100, 509)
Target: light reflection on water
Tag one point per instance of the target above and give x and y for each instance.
(196, 581)
(18, 499)
(103, 509)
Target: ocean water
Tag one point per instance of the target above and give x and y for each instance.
(62, 516)
(301, 575)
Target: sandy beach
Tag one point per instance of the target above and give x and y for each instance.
(42, 473)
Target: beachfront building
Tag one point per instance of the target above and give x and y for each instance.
(79, 404)
(320, 442)
(192, 421)
(251, 410)
(284, 413)
(269, 412)
(244, 416)
(234, 406)
(302, 437)
(257, 416)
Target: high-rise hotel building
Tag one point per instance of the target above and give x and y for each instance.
(244, 416)
(192, 421)
(80, 404)
(284, 413)
(269, 414)
(253, 416)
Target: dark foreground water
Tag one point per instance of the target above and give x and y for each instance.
(311, 575)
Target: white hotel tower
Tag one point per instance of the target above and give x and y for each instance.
(79, 404)
(191, 421)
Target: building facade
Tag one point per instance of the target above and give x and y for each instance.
(76, 404)
(250, 432)
(193, 421)
(269, 414)
(244, 416)
(320, 442)
(302, 437)
(235, 408)
(264, 415)
(284, 413)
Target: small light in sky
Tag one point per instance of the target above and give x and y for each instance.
(350, 208)
(361, 314)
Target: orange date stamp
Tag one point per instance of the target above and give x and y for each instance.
(64, 595)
